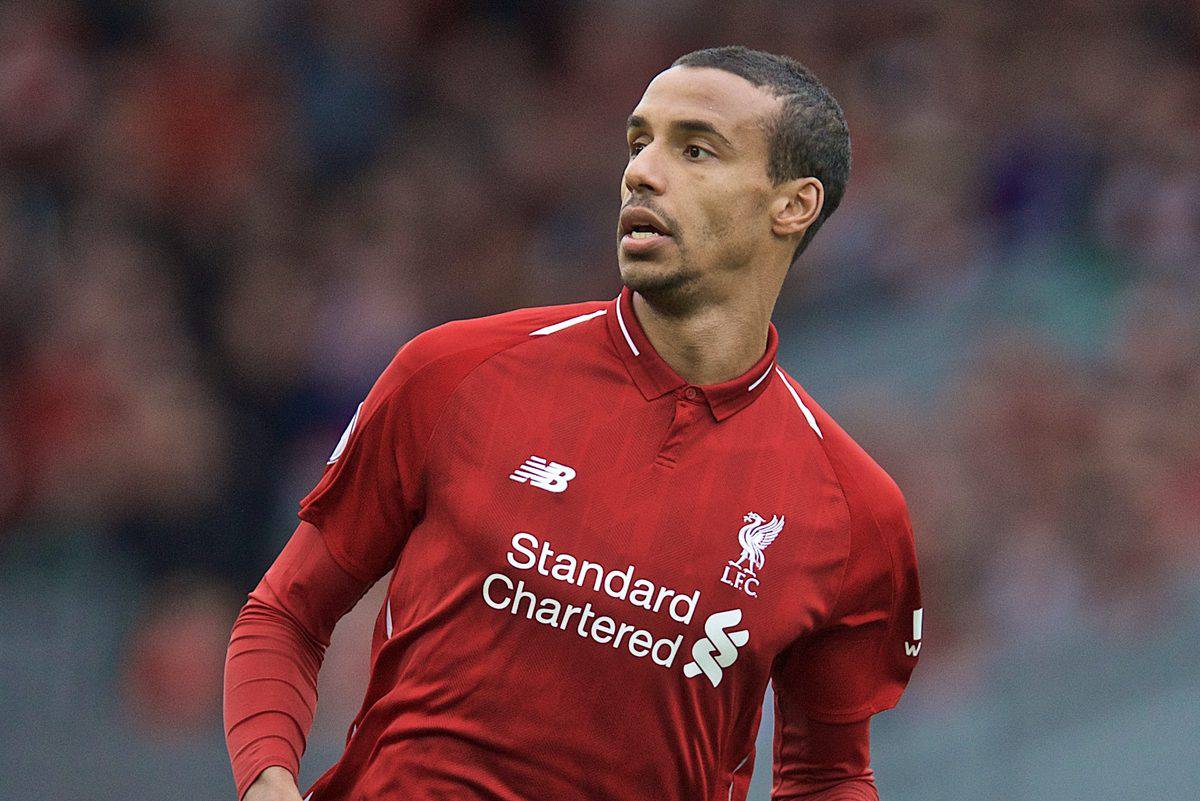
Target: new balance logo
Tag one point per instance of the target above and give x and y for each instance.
(718, 650)
(552, 476)
(909, 648)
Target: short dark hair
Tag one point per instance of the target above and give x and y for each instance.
(807, 138)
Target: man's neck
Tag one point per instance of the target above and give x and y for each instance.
(710, 345)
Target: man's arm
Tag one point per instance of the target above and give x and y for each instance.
(275, 651)
(820, 761)
(274, 784)
(858, 659)
(356, 522)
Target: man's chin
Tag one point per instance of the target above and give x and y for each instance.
(643, 275)
(657, 282)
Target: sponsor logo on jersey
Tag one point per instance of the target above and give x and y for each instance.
(718, 649)
(913, 648)
(550, 476)
(526, 587)
(754, 537)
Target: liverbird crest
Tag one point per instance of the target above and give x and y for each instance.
(754, 537)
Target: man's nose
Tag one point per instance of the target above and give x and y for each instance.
(644, 172)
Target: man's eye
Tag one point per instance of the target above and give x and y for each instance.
(695, 152)
(635, 148)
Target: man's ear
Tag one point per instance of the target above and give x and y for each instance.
(796, 206)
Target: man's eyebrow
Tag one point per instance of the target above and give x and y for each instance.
(700, 126)
(687, 126)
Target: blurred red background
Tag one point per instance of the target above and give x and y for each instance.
(219, 220)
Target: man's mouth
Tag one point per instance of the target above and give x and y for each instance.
(642, 230)
(645, 232)
(644, 240)
(641, 222)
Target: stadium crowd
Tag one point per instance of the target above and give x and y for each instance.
(219, 220)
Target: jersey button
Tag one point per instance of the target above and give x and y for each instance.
(690, 393)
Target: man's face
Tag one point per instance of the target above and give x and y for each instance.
(694, 197)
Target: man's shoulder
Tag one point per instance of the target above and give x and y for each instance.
(869, 489)
(440, 357)
(881, 536)
(480, 337)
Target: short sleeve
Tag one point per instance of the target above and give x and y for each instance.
(370, 495)
(860, 661)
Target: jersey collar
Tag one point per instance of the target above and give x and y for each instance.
(655, 378)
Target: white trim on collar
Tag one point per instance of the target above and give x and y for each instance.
(624, 330)
(812, 421)
(550, 329)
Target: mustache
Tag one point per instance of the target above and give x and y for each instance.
(635, 202)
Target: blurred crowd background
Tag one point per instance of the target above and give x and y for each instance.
(218, 220)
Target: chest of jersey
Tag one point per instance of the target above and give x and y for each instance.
(646, 528)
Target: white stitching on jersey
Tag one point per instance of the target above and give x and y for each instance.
(812, 421)
(550, 329)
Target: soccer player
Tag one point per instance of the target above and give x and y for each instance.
(609, 523)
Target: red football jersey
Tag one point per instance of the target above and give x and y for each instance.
(598, 567)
